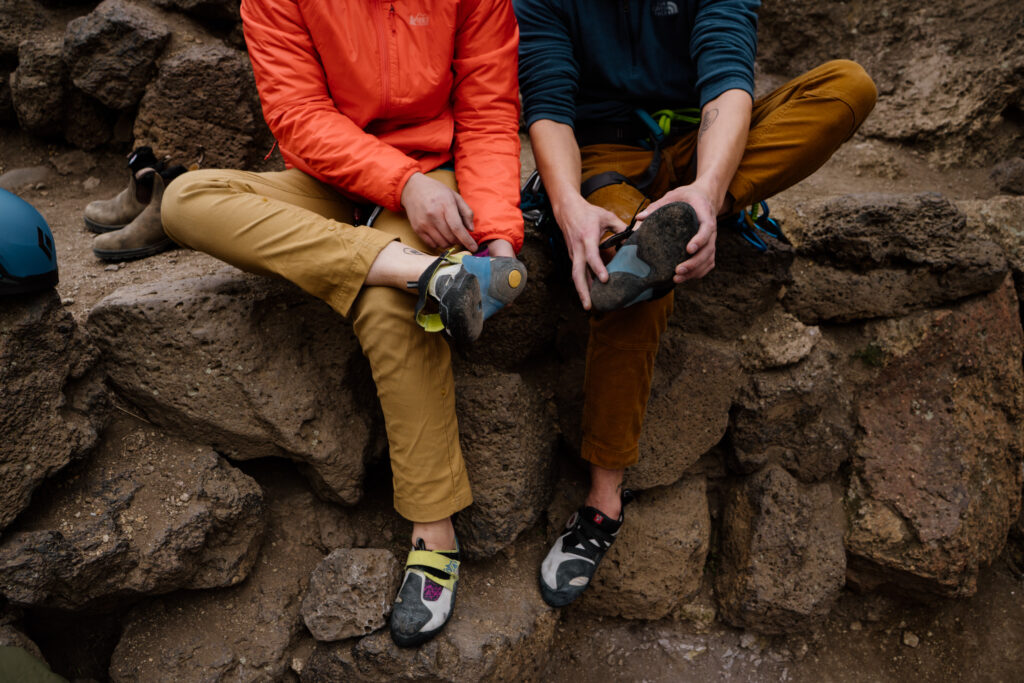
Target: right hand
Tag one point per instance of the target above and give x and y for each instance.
(583, 224)
(438, 214)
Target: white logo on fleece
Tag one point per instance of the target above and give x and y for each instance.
(419, 19)
(665, 8)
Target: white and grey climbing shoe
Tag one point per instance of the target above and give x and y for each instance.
(427, 596)
(570, 564)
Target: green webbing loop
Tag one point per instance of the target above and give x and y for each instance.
(666, 117)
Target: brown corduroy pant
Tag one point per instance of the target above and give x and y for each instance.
(793, 131)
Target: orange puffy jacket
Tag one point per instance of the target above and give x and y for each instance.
(361, 94)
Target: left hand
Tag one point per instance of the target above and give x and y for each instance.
(702, 246)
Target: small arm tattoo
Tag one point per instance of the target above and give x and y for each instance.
(708, 120)
(410, 250)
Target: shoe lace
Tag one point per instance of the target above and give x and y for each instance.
(586, 538)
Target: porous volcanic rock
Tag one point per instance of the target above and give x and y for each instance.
(87, 123)
(800, 416)
(501, 630)
(7, 114)
(151, 513)
(215, 10)
(1009, 176)
(52, 406)
(657, 561)
(1001, 218)
(776, 340)
(350, 593)
(38, 87)
(203, 105)
(508, 446)
(868, 256)
(936, 479)
(782, 558)
(251, 366)
(17, 19)
(695, 381)
(111, 52)
(243, 633)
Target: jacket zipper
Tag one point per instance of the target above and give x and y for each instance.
(385, 76)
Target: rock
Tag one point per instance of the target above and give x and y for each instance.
(657, 561)
(19, 178)
(1008, 176)
(695, 381)
(203, 104)
(868, 256)
(244, 633)
(12, 636)
(111, 52)
(782, 558)
(18, 19)
(7, 114)
(350, 593)
(152, 513)
(73, 163)
(935, 483)
(37, 87)
(52, 406)
(776, 340)
(508, 447)
(87, 123)
(214, 10)
(800, 416)
(251, 366)
(500, 630)
(910, 639)
(1000, 218)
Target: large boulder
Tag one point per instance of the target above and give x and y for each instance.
(111, 52)
(251, 366)
(18, 18)
(657, 561)
(508, 445)
(38, 87)
(782, 559)
(203, 105)
(350, 593)
(87, 123)
(935, 482)
(1003, 219)
(220, 11)
(150, 514)
(501, 630)
(869, 256)
(52, 406)
(244, 633)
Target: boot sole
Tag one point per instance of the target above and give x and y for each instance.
(93, 226)
(133, 254)
(661, 244)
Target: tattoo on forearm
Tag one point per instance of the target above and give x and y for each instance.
(410, 250)
(706, 122)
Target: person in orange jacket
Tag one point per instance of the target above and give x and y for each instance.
(405, 111)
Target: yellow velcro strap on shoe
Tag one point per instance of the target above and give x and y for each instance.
(431, 322)
(428, 558)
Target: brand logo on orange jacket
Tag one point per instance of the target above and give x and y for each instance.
(419, 19)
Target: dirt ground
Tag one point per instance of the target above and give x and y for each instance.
(865, 639)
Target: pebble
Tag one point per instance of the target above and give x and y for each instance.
(67, 301)
(910, 639)
(111, 267)
(748, 641)
(90, 183)
(856, 626)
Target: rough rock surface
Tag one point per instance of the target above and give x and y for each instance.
(17, 19)
(87, 123)
(251, 366)
(799, 416)
(37, 87)
(111, 53)
(657, 561)
(506, 440)
(782, 558)
(776, 340)
(936, 479)
(1009, 176)
(52, 409)
(215, 10)
(152, 513)
(242, 633)
(350, 593)
(500, 631)
(870, 256)
(1000, 217)
(203, 105)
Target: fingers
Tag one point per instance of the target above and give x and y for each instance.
(464, 211)
(580, 279)
(698, 265)
(452, 227)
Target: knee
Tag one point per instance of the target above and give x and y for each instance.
(854, 86)
(179, 209)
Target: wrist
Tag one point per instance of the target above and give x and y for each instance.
(410, 186)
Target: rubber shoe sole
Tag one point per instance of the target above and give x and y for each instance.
(461, 309)
(100, 228)
(646, 262)
(115, 256)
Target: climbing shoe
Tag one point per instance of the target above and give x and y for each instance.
(645, 264)
(143, 236)
(106, 215)
(467, 290)
(570, 564)
(427, 596)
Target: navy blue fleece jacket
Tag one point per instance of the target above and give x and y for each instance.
(598, 60)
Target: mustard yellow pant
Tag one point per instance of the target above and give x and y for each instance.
(793, 131)
(290, 225)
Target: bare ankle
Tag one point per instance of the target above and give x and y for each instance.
(438, 535)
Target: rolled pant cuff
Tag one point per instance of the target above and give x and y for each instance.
(608, 458)
(371, 243)
(433, 512)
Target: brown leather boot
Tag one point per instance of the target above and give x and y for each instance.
(144, 236)
(105, 215)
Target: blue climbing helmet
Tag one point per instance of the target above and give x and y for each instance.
(28, 259)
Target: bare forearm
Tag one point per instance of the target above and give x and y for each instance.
(558, 160)
(725, 124)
